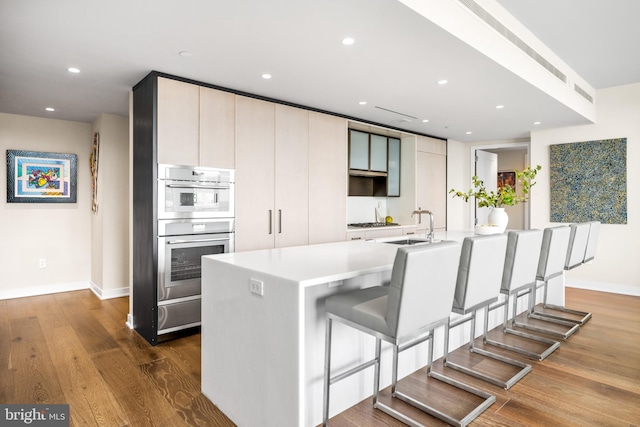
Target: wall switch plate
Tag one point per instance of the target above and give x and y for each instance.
(256, 287)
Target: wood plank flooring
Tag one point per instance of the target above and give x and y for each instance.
(73, 348)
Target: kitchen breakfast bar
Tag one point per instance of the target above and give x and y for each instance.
(263, 329)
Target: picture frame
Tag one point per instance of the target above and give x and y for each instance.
(41, 177)
(507, 178)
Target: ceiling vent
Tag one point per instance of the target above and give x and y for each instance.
(405, 119)
(583, 93)
(509, 35)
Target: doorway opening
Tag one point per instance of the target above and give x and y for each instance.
(510, 157)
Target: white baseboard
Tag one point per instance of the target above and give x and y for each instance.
(43, 290)
(129, 321)
(613, 288)
(109, 293)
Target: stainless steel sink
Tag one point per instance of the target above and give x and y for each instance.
(408, 242)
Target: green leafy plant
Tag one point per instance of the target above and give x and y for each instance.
(506, 195)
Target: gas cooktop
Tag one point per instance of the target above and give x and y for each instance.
(372, 224)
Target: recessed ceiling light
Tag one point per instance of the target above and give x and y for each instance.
(266, 76)
(536, 123)
(73, 70)
(443, 82)
(50, 109)
(362, 102)
(185, 54)
(499, 107)
(425, 121)
(348, 41)
(469, 133)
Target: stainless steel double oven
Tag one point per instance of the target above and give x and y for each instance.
(195, 218)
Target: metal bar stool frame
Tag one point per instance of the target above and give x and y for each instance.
(402, 343)
(581, 250)
(555, 244)
(518, 277)
(481, 266)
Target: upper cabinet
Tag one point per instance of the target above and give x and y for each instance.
(196, 125)
(374, 164)
(217, 128)
(178, 122)
(431, 184)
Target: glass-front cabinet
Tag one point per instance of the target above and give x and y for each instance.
(374, 164)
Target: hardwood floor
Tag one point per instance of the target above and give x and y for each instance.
(73, 348)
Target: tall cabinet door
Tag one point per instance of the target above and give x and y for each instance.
(327, 178)
(432, 188)
(178, 122)
(291, 176)
(255, 162)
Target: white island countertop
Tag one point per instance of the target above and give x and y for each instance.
(263, 352)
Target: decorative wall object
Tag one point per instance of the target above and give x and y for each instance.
(507, 178)
(589, 181)
(38, 177)
(93, 164)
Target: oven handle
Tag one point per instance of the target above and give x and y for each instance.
(177, 242)
(207, 187)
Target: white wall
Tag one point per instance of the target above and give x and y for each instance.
(616, 265)
(110, 225)
(615, 268)
(58, 232)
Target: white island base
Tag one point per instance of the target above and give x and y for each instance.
(263, 330)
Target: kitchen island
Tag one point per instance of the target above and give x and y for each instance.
(263, 325)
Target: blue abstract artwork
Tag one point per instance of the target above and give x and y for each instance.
(589, 181)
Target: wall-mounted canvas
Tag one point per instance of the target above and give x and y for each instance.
(589, 181)
(39, 177)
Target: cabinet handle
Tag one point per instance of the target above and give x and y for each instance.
(356, 238)
(279, 221)
(270, 218)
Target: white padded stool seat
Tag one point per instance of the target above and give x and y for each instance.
(366, 307)
(577, 245)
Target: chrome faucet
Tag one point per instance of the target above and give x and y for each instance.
(419, 212)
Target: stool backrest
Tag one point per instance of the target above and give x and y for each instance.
(577, 245)
(521, 262)
(480, 270)
(422, 285)
(553, 254)
(592, 243)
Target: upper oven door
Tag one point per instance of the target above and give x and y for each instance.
(180, 262)
(185, 192)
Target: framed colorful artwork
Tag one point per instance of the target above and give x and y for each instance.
(39, 177)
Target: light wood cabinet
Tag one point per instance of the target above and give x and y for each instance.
(291, 207)
(178, 122)
(217, 128)
(255, 168)
(327, 178)
(272, 175)
(432, 188)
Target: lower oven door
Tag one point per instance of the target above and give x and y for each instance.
(180, 262)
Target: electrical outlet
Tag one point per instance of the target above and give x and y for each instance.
(42, 263)
(256, 287)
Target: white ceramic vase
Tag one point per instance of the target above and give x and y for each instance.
(498, 218)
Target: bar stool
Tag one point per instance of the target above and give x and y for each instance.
(478, 286)
(404, 313)
(518, 277)
(592, 243)
(555, 244)
(576, 256)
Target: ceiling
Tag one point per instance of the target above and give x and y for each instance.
(394, 65)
